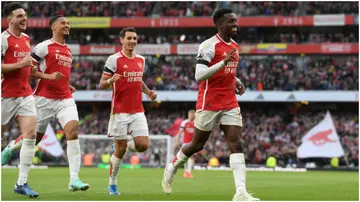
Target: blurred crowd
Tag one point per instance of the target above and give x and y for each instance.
(258, 73)
(266, 132)
(188, 9)
(292, 35)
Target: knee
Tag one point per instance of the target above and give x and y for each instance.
(236, 146)
(29, 134)
(142, 147)
(120, 149)
(71, 132)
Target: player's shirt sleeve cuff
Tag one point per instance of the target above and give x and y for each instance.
(107, 71)
(37, 58)
(203, 62)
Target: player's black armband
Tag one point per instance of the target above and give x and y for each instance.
(37, 58)
(203, 62)
(107, 70)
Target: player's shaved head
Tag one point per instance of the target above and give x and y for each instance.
(218, 17)
(9, 8)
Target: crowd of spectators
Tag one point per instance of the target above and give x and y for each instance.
(186, 9)
(244, 36)
(266, 132)
(258, 73)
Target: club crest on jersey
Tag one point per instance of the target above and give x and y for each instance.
(140, 65)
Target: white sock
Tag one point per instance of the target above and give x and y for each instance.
(131, 146)
(27, 153)
(114, 169)
(74, 157)
(237, 163)
(190, 164)
(179, 160)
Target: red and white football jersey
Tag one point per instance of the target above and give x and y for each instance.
(127, 91)
(14, 49)
(187, 127)
(217, 93)
(53, 57)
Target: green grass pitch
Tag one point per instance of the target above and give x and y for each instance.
(145, 184)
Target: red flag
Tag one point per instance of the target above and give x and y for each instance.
(174, 129)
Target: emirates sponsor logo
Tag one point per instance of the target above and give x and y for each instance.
(102, 50)
(132, 74)
(231, 64)
(190, 130)
(22, 54)
(63, 58)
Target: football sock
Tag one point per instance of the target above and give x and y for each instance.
(114, 169)
(74, 157)
(237, 164)
(27, 153)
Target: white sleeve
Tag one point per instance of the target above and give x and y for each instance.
(4, 45)
(40, 51)
(238, 80)
(110, 65)
(206, 52)
(144, 66)
(203, 72)
(182, 125)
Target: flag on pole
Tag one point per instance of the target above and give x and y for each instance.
(50, 143)
(321, 141)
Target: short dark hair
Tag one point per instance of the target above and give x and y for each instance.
(127, 29)
(53, 19)
(10, 7)
(220, 13)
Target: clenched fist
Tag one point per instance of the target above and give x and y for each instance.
(55, 76)
(114, 78)
(152, 95)
(27, 61)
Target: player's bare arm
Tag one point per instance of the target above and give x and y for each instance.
(204, 72)
(152, 95)
(53, 76)
(107, 80)
(239, 87)
(72, 89)
(25, 62)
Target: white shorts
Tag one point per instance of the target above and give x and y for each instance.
(64, 110)
(205, 120)
(122, 124)
(21, 106)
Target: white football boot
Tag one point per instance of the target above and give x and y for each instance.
(168, 180)
(244, 196)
